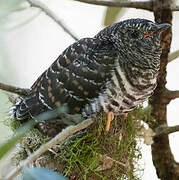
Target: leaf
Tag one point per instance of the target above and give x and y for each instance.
(9, 6)
(20, 132)
(9, 144)
(41, 174)
(111, 14)
(24, 22)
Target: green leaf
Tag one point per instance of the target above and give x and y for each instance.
(33, 16)
(9, 6)
(112, 13)
(41, 174)
(9, 144)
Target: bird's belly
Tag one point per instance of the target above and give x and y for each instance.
(118, 102)
(120, 96)
(124, 103)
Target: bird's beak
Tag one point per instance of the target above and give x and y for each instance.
(162, 27)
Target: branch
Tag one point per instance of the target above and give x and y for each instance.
(13, 89)
(146, 5)
(165, 130)
(49, 13)
(162, 157)
(172, 56)
(171, 94)
(175, 7)
(57, 139)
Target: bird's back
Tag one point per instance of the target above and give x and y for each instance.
(77, 76)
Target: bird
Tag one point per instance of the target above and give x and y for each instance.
(113, 72)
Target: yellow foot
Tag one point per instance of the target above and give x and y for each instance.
(109, 118)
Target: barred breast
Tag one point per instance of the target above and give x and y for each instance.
(127, 89)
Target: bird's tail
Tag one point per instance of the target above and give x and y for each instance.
(20, 111)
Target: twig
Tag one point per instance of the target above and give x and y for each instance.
(108, 162)
(175, 7)
(49, 13)
(172, 56)
(146, 5)
(57, 139)
(13, 89)
(165, 130)
(171, 94)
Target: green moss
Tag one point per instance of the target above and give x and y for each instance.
(144, 114)
(82, 155)
(29, 143)
(13, 124)
(92, 153)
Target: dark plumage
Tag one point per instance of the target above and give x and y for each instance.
(112, 72)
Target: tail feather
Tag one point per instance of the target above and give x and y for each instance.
(20, 111)
(27, 108)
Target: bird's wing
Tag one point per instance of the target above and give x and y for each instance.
(77, 76)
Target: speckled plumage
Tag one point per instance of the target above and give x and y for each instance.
(114, 71)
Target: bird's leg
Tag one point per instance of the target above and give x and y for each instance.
(124, 116)
(109, 118)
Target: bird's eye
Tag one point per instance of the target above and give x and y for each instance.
(146, 35)
(135, 34)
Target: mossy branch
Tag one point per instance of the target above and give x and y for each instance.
(13, 89)
(146, 5)
(57, 139)
(50, 13)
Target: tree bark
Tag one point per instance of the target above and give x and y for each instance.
(166, 167)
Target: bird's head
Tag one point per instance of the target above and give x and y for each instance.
(137, 33)
(135, 39)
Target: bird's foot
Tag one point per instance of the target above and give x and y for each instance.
(109, 118)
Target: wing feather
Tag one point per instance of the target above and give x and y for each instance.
(77, 76)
